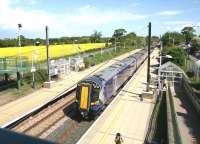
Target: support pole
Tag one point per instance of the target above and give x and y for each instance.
(47, 51)
(148, 63)
(18, 81)
(19, 35)
(5, 68)
(115, 45)
(160, 63)
(33, 84)
(161, 48)
(19, 45)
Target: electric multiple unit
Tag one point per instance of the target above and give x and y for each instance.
(93, 93)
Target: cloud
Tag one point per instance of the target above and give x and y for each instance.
(32, 1)
(178, 22)
(34, 21)
(177, 25)
(169, 12)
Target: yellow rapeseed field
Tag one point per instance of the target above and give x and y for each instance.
(54, 50)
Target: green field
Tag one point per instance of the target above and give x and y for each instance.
(55, 51)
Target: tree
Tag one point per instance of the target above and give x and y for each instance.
(96, 37)
(195, 45)
(131, 35)
(119, 36)
(155, 39)
(172, 38)
(119, 33)
(188, 32)
(131, 38)
(177, 53)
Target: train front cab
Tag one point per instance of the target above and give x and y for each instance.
(88, 97)
(83, 96)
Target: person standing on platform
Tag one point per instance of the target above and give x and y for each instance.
(118, 139)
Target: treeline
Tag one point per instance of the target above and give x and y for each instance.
(178, 44)
(53, 41)
(186, 37)
(120, 36)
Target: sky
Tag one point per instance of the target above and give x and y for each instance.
(82, 17)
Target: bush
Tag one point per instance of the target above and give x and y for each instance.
(178, 54)
(190, 74)
(195, 45)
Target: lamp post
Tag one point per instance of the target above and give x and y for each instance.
(160, 63)
(34, 59)
(148, 60)
(19, 45)
(19, 39)
(115, 44)
(47, 52)
(33, 69)
(161, 48)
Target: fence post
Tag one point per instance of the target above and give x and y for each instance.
(18, 81)
(5, 67)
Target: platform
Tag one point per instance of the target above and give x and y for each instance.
(20, 107)
(126, 114)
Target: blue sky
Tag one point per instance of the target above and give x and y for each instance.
(82, 17)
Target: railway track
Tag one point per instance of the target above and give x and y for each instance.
(57, 122)
(39, 123)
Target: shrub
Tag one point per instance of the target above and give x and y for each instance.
(178, 54)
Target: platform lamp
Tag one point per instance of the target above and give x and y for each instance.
(19, 45)
(34, 59)
(19, 40)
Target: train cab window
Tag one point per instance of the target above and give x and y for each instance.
(95, 94)
(78, 90)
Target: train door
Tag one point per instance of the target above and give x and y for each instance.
(109, 88)
(115, 84)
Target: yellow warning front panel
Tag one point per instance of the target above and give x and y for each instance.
(84, 97)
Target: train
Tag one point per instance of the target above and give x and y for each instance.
(94, 92)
